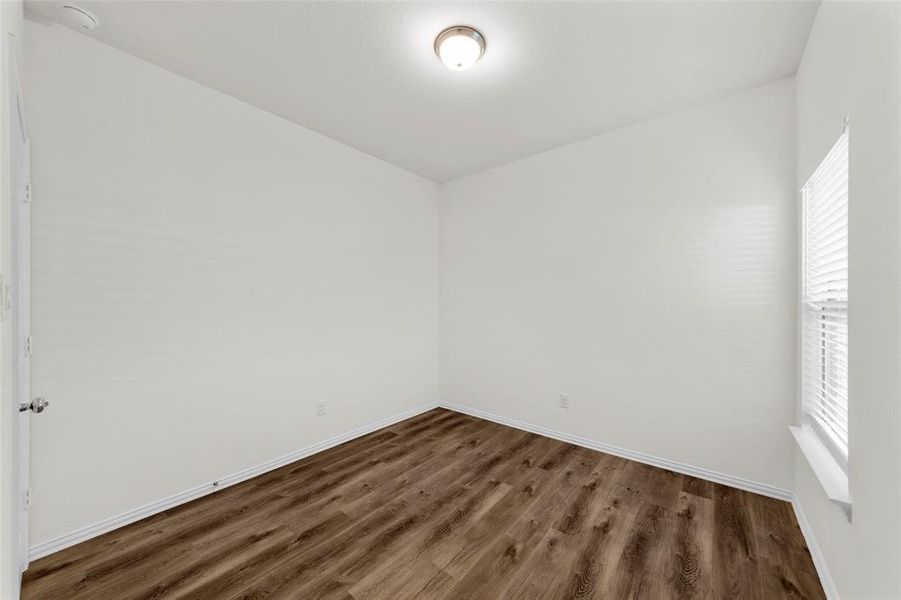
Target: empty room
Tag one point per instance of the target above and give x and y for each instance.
(371, 300)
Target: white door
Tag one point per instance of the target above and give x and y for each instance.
(20, 293)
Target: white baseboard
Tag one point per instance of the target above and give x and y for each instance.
(701, 473)
(819, 561)
(86, 533)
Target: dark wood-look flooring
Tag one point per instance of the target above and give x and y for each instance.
(448, 506)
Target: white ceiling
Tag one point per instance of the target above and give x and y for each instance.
(364, 73)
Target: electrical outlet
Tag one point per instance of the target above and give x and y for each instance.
(320, 408)
(564, 401)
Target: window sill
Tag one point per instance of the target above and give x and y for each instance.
(830, 475)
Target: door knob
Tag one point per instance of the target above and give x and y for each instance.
(36, 406)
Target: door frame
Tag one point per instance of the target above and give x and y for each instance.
(15, 303)
(20, 205)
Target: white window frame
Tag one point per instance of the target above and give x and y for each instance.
(823, 434)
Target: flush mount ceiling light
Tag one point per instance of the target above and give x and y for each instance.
(459, 47)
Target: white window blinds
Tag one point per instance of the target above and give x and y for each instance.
(825, 301)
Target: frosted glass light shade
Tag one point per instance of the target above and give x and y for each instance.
(459, 47)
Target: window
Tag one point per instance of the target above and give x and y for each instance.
(824, 318)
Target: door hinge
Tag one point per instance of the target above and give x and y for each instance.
(29, 346)
(27, 498)
(5, 300)
(27, 198)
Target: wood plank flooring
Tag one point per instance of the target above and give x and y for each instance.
(447, 506)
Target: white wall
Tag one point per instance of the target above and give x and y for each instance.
(851, 68)
(647, 273)
(203, 273)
